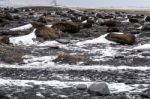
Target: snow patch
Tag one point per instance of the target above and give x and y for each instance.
(100, 39)
(143, 47)
(29, 39)
(24, 27)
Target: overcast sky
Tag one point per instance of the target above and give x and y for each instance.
(82, 3)
(106, 3)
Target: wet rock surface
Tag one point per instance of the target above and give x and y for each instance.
(41, 71)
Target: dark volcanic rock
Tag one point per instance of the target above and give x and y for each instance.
(4, 40)
(125, 38)
(66, 27)
(98, 89)
(109, 23)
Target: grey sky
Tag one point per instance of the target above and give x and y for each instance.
(106, 3)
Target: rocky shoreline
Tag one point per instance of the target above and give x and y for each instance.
(68, 53)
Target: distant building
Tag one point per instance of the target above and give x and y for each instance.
(22, 3)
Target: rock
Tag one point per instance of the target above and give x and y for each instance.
(3, 96)
(122, 97)
(147, 18)
(112, 29)
(146, 26)
(98, 89)
(133, 20)
(143, 95)
(44, 32)
(109, 23)
(73, 59)
(4, 40)
(81, 87)
(66, 27)
(42, 20)
(122, 38)
(87, 24)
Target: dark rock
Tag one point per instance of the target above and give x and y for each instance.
(73, 59)
(4, 40)
(146, 26)
(110, 23)
(42, 20)
(99, 89)
(122, 97)
(125, 38)
(81, 87)
(112, 29)
(133, 20)
(44, 32)
(143, 95)
(147, 18)
(66, 27)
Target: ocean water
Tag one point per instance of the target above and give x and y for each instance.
(79, 3)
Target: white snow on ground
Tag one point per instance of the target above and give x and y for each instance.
(125, 21)
(142, 47)
(100, 39)
(24, 27)
(24, 40)
(114, 87)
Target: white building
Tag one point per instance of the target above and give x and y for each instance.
(22, 3)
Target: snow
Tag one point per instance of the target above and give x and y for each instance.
(142, 47)
(114, 87)
(24, 27)
(100, 39)
(125, 21)
(27, 40)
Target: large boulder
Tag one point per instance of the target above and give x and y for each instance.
(122, 38)
(46, 33)
(98, 89)
(66, 27)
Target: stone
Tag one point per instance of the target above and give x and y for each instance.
(122, 97)
(112, 29)
(46, 33)
(81, 87)
(146, 26)
(99, 89)
(133, 20)
(122, 38)
(110, 23)
(66, 27)
(147, 18)
(4, 40)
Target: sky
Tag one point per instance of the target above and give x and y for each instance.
(105, 3)
(88, 3)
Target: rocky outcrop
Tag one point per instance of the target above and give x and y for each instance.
(98, 89)
(122, 38)
(66, 27)
(44, 32)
